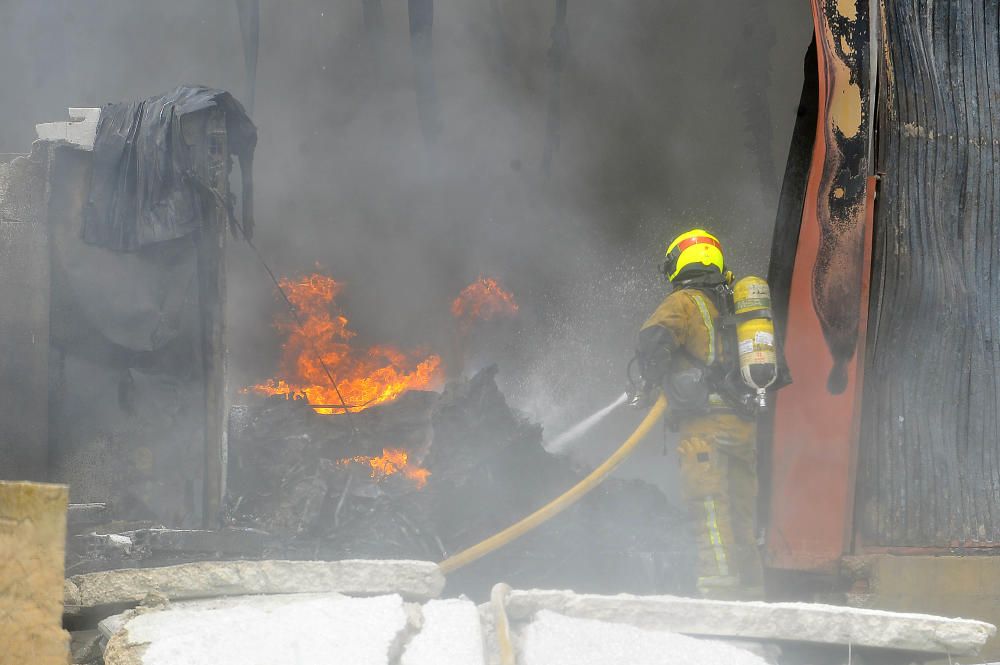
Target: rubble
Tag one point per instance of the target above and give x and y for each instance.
(417, 580)
(294, 499)
(487, 469)
(797, 622)
(109, 548)
(546, 627)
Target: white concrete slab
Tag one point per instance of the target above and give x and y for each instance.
(553, 639)
(451, 635)
(301, 629)
(80, 131)
(414, 580)
(797, 622)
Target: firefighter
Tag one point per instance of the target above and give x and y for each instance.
(684, 350)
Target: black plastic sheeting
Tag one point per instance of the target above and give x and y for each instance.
(143, 189)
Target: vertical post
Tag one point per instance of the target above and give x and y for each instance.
(421, 14)
(557, 57)
(24, 317)
(249, 15)
(32, 549)
(213, 166)
(374, 18)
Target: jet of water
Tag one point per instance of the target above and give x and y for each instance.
(563, 441)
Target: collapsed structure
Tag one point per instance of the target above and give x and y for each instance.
(114, 373)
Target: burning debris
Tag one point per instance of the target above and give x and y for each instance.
(319, 335)
(392, 460)
(429, 474)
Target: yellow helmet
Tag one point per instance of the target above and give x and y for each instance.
(694, 246)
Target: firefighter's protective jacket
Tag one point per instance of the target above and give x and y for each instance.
(684, 320)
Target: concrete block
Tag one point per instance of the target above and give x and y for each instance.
(553, 639)
(317, 629)
(32, 536)
(80, 131)
(796, 622)
(414, 580)
(451, 635)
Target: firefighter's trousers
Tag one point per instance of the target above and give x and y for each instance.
(719, 474)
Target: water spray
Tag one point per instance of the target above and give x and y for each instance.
(563, 441)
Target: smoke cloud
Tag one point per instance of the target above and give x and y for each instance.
(672, 115)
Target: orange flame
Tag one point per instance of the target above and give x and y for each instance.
(483, 300)
(365, 377)
(393, 460)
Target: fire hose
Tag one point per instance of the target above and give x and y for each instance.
(561, 503)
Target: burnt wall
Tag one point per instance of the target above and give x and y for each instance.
(929, 472)
(127, 396)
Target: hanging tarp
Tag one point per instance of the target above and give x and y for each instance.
(143, 190)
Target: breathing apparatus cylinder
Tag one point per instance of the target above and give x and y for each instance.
(755, 334)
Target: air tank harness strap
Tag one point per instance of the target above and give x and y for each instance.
(732, 319)
(709, 322)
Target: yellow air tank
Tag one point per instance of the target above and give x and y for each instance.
(755, 333)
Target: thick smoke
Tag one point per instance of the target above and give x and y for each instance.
(672, 115)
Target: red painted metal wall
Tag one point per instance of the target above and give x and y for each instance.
(816, 419)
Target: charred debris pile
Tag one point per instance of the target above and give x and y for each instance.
(421, 477)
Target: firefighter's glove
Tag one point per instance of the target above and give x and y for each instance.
(644, 396)
(653, 354)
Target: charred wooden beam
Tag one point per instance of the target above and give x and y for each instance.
(557, 58)
(249, 14)
(421, 13)
(374, 18)
(213, 164)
